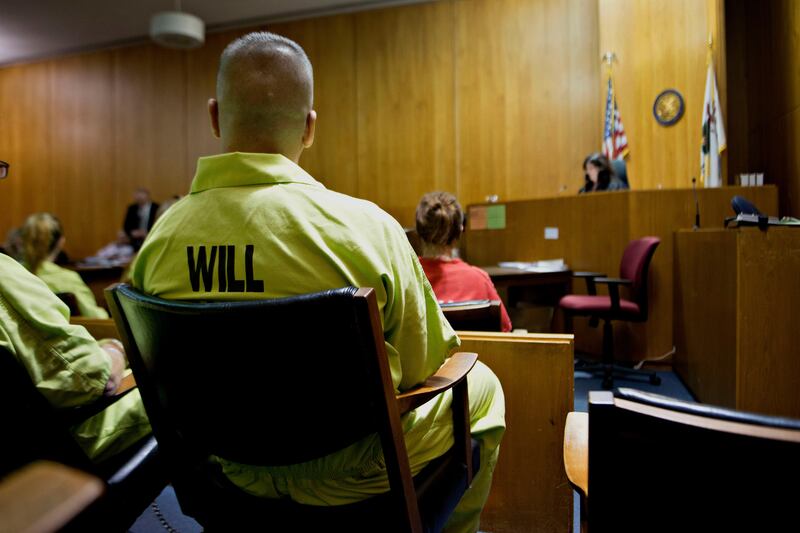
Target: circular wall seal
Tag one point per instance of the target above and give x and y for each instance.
(668, 107)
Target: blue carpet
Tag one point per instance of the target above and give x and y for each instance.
(165, 515)
(671, 386)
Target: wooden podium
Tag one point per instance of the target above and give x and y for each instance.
(737, 319)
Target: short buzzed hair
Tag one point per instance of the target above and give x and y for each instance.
(265, 87)
(265, 40)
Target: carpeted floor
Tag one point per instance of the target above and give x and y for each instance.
(165, 514)
(671, 386)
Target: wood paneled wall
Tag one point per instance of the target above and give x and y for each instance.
(474, 96)
(764, 87)
(661, 45)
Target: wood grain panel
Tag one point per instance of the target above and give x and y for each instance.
(530, 491)
(769, 289)
(404, 69)
(332, 157)
(26, 116)
(82, 162)
(149, 125)
(201, 74)
(659, 45)
(705, 314)
(735, 318)
(527, 107)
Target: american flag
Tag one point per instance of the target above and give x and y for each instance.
(615, 143)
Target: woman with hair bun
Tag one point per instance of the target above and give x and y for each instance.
(42, 240)
(440, 222)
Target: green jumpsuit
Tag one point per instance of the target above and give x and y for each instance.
(289, 235)
(63, 280)
(67, 365)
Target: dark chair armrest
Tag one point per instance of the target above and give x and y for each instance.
(576, 451)
(613, 281)
(588, 274)
(453, 371)
(613, 289)
(590, 279)
(76, 415)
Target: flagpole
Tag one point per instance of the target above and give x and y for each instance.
(609, 58)
(707, 167)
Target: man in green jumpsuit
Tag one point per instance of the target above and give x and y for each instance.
(65, 363)
(257, 226)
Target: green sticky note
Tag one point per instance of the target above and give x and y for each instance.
(496, 217)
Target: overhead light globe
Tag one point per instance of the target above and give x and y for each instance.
(176, 29)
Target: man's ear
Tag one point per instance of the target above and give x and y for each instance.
(213, 112)
(311, 124)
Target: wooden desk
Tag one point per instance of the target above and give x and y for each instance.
(530, 490)
(512, 284)
(736, 317)
(543, 290)
(593, 232)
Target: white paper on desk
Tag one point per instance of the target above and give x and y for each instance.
(548, 265)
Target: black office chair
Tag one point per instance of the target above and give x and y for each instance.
(34, 430)
(660, 464)
(315, 368)
(620, 170)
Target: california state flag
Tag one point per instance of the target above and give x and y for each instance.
(713, 133)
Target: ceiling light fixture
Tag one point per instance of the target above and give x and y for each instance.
(176, 29)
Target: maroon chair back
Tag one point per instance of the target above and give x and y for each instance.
(634, 266)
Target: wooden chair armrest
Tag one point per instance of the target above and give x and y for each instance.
(454, 370)
(576, 451)
(45, 496)
(590, 278)
(76, 415)
(127, 383)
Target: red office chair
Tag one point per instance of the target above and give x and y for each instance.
(633, 273)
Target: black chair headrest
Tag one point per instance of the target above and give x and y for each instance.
(708, 411)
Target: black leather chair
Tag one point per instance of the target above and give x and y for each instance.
(315, 370)
(34, 430)
(660, 464)
(474, 316)
(620, 170)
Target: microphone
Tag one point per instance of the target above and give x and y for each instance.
(696, 206)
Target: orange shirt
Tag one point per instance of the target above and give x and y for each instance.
(456, 281)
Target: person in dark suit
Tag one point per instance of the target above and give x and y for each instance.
(140, 217)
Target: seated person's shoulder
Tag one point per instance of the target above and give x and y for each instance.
(361, 209)
(479, 272)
